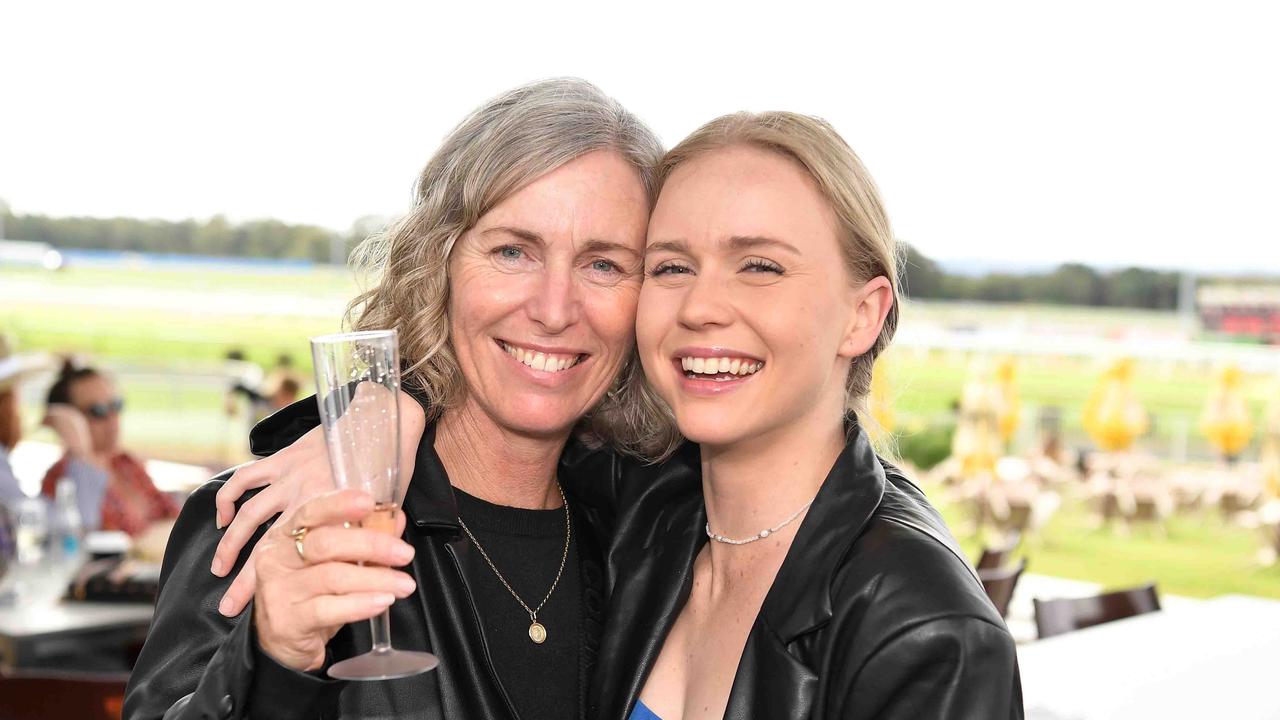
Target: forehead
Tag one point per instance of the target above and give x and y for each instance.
(91, 389)
(742, 190)
(598, 195)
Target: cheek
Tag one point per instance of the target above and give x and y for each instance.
(480, 297)
(655, 313)
(612, 314)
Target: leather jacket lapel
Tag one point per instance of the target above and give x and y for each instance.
(849, 496)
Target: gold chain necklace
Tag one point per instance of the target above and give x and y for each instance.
(537, 633)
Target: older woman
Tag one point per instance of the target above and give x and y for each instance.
(513, 283)
(808, 578)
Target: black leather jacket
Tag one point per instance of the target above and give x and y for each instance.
(873, 614)
(198, 664)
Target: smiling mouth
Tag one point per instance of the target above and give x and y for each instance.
(718, 369)
(546, 362)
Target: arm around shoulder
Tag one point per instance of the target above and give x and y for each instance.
(197, 663)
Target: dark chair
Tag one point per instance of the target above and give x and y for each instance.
(999, 584)
(38, 695)
(1054, 617)
(994, 558)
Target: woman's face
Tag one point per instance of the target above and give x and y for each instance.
(747, 320)
(95, 397)
(543, 294)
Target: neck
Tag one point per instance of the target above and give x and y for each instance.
(496, 464)
(756, 483)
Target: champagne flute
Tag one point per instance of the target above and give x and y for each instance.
(357, 383)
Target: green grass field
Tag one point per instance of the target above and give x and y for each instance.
(168, 330)
(1198, 555)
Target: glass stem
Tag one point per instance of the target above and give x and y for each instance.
(381, 628)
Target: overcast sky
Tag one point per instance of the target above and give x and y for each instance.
(1016, 133)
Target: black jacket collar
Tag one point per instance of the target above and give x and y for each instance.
(848, 498)
(429, 501)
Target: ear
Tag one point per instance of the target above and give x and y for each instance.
(870, 306)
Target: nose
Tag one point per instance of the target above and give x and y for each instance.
(703, 305)
(556, 304)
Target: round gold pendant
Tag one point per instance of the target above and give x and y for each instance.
(537, 633)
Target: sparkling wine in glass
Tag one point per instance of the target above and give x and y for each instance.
(357, 383)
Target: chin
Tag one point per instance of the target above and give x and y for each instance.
(538, 416)
(714, 429)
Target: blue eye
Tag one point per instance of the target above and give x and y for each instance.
(605, 266)
(509, 252)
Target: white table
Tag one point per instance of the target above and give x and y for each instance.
(32, 636)
(1215, 659)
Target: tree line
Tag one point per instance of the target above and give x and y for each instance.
(216, 236)
(1069, 284)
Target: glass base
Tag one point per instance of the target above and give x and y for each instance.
(383, 665)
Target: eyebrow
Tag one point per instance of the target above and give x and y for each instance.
(526, 235)
(747, 242)
(606, 246)
(737, 242)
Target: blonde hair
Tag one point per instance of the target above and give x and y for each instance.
(865, 238)
(507, 143)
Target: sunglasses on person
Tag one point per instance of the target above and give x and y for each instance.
(103, 410)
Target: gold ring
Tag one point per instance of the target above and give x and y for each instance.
(298, 536)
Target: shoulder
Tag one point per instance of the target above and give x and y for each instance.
(195, 535)
(905, 569)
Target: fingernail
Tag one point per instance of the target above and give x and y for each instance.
(404, 553)
(405, 585)
(217, 519)
(384, 600)
(216, 567)
(224, 607)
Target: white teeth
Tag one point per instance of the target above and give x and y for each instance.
(541, 361)
(720, 366)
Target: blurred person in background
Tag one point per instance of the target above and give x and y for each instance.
(263, 396)
(78, 462)
(130, 500)
(282, 386)
(283, 393)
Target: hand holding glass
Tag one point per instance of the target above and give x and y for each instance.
(357, 381)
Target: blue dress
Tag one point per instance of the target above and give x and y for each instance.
(642, 713)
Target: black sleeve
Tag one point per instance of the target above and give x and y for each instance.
(197, 663)
(281, 428)
(953, 668)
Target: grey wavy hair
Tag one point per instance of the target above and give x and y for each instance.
(507, 143)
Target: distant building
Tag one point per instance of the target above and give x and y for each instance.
(1242, 311)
